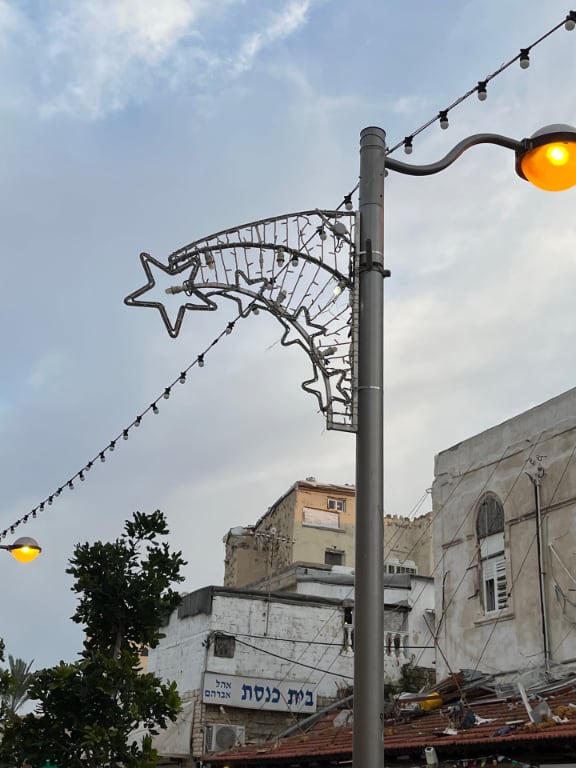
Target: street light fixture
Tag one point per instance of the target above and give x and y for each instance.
(25, 549)
(304, 263)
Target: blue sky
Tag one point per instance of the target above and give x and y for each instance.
(133, 125)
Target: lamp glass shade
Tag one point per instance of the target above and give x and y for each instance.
(551, 166)
(25, 549)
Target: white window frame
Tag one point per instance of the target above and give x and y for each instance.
(494, 584)
(336, 505)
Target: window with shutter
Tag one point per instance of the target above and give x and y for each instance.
(491, 548)
(495, 584)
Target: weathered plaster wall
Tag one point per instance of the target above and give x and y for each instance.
(499, 460)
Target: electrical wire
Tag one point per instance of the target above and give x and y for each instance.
(294, 662)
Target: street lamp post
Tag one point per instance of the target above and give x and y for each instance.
(25, 549)
(352, 396)
(548, 160)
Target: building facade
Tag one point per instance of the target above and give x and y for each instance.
(504, 504)
(314, 523)
(250, 663)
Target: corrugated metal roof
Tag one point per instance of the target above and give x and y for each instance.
(502, 724)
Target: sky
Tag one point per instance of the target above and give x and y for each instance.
(133, 125)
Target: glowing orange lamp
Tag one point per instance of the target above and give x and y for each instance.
(25, 549)
(548, 159)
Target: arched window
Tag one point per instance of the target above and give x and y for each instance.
(490, 532)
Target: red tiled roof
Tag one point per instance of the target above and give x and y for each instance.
(411, 735)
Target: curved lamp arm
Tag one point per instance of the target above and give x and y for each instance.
(477, 138)
(547, 159)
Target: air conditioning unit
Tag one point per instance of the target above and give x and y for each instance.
(221, 737)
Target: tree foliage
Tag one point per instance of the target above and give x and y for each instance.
(87, 710)
(4, 687)
(15, 692)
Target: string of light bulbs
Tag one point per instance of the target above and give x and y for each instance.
(100, 456)
(480, 89)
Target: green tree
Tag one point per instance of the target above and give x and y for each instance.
(4, 687)
(87, 710)
(16, 691)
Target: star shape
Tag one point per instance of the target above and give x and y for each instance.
(133, 299)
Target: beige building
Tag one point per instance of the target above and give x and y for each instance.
(314, 523)
(504, 506)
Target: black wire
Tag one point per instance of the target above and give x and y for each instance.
(292, 661)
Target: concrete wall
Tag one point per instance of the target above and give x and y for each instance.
(406, 539)
(500, 460)
(282, 637)
(311, 541)
(297, 528)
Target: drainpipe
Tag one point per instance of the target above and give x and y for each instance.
(537, 482)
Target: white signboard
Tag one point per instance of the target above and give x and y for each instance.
(321, 518)
(258, 693)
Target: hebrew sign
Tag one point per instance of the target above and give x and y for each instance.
(258, 693)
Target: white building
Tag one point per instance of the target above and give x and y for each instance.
(249, 663)
(504, 505)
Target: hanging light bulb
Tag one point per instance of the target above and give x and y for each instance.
(280, 257)
(524, 58)
(81, 476)
(570, 22)
(229, 328)
(294, 260)
(50, 500)
(443, 119)
(112, 445)
(154, 408)
(481, 91)
(340, 287)
(408, 145)
(70, 485)
(200, 361)
(166, 393)
(102, 457)
(125, 435)
(255, 310)
(348, 202)
(138, 421)
(322, 233)
(182, 378)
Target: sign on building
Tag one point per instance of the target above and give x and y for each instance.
(258, 693)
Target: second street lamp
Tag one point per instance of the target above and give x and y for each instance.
(299, 276)
(25, 549)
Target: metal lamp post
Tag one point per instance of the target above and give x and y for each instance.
(304, 263)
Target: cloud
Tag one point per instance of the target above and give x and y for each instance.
(279, 26)
(89, 58)
(102, 55)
